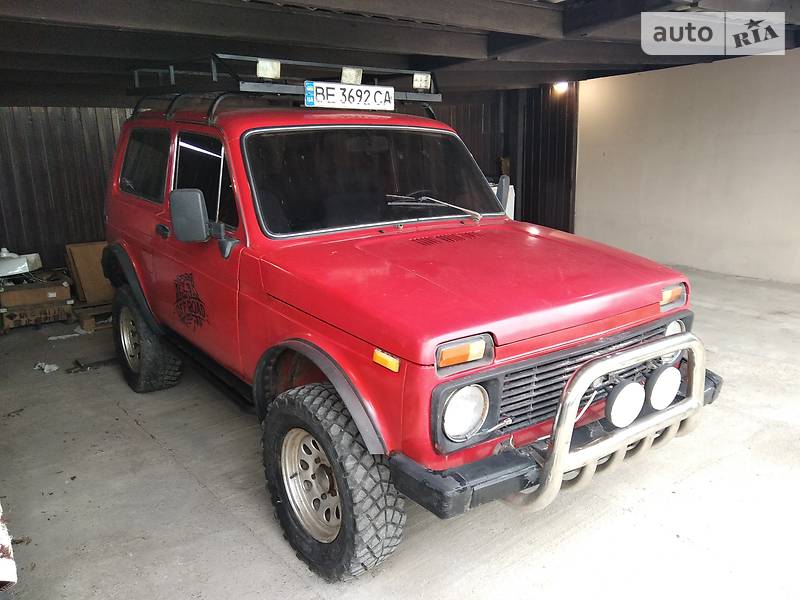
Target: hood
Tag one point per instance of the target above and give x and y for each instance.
(408, 291)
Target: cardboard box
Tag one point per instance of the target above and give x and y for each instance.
(87, 272)
(19, 316)
(25, 294)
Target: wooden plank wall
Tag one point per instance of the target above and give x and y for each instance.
(54, 163)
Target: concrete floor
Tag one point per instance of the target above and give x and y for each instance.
(161, 495)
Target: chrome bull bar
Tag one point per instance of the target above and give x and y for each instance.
(560, 458)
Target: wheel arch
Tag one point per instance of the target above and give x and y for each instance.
(120, 270)
(329, 368)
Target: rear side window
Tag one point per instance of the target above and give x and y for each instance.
(202, 165)
(145, 167)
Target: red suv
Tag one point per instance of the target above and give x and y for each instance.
(354, 275)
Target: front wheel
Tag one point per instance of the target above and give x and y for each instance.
(147, 362)
(335, 501)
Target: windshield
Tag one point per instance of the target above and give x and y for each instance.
(310, 180)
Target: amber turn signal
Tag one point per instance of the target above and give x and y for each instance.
(385, 359)
(462, 353)
(673, 296)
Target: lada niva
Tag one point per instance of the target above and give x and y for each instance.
(399, 336)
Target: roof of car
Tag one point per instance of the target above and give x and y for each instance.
(237, 120)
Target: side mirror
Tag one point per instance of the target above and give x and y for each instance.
(503, 185)
(189, 216)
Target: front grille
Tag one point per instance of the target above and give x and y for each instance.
(531, 393)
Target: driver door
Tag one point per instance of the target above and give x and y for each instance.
(198, 287)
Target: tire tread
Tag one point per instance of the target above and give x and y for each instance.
(378, 507)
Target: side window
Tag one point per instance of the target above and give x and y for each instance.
(145, 166)
(202, 165)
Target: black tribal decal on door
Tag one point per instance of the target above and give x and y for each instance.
(189, 306)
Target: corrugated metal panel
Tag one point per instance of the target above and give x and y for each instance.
(549, 132)
(479, 123)
(53, 176)
(478, 120)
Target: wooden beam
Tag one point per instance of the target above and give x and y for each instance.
(246, 21)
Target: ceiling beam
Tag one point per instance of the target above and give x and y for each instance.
(142, 49)
(503, 80)
(790, 8)
(596, 52)
(15, 61)
(522, 18)
(501, 66)
(118, 81)
(35, 94)
(249, 22)
(585, 15)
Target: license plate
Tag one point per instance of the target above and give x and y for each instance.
(323, 94)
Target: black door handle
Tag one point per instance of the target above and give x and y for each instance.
(162, 230)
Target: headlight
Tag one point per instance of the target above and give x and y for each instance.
(465, 412)
(673, 297)
(673, 328)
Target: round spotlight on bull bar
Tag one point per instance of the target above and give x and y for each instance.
(624, 403)
(662, 387)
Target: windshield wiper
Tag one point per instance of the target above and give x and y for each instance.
(430, 201)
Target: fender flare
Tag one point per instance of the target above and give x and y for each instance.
(114, 253)
(341, 382)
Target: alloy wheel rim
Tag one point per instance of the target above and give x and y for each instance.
(129, 336)
(310, 485)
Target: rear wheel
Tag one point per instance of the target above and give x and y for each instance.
(147, 362)
(335, 501)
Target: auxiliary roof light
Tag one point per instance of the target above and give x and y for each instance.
(352, 75)
(268, 69)
(421, 81)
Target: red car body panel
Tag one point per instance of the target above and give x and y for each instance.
(409, 291)
(404, 290)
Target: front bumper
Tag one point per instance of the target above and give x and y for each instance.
(539, 470)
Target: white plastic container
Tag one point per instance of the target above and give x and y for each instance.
(14, 264)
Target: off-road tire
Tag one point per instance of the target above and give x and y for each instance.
(159, 366)
(372, 509)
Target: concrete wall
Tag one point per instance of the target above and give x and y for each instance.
(696, 166)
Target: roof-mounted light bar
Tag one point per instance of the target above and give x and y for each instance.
(235, 73)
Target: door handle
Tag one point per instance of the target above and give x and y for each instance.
(162, 230)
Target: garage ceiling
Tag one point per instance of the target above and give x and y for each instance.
(87, 48)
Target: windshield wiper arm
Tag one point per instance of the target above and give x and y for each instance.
(428, 200)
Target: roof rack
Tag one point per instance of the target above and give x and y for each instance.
(224, 79)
